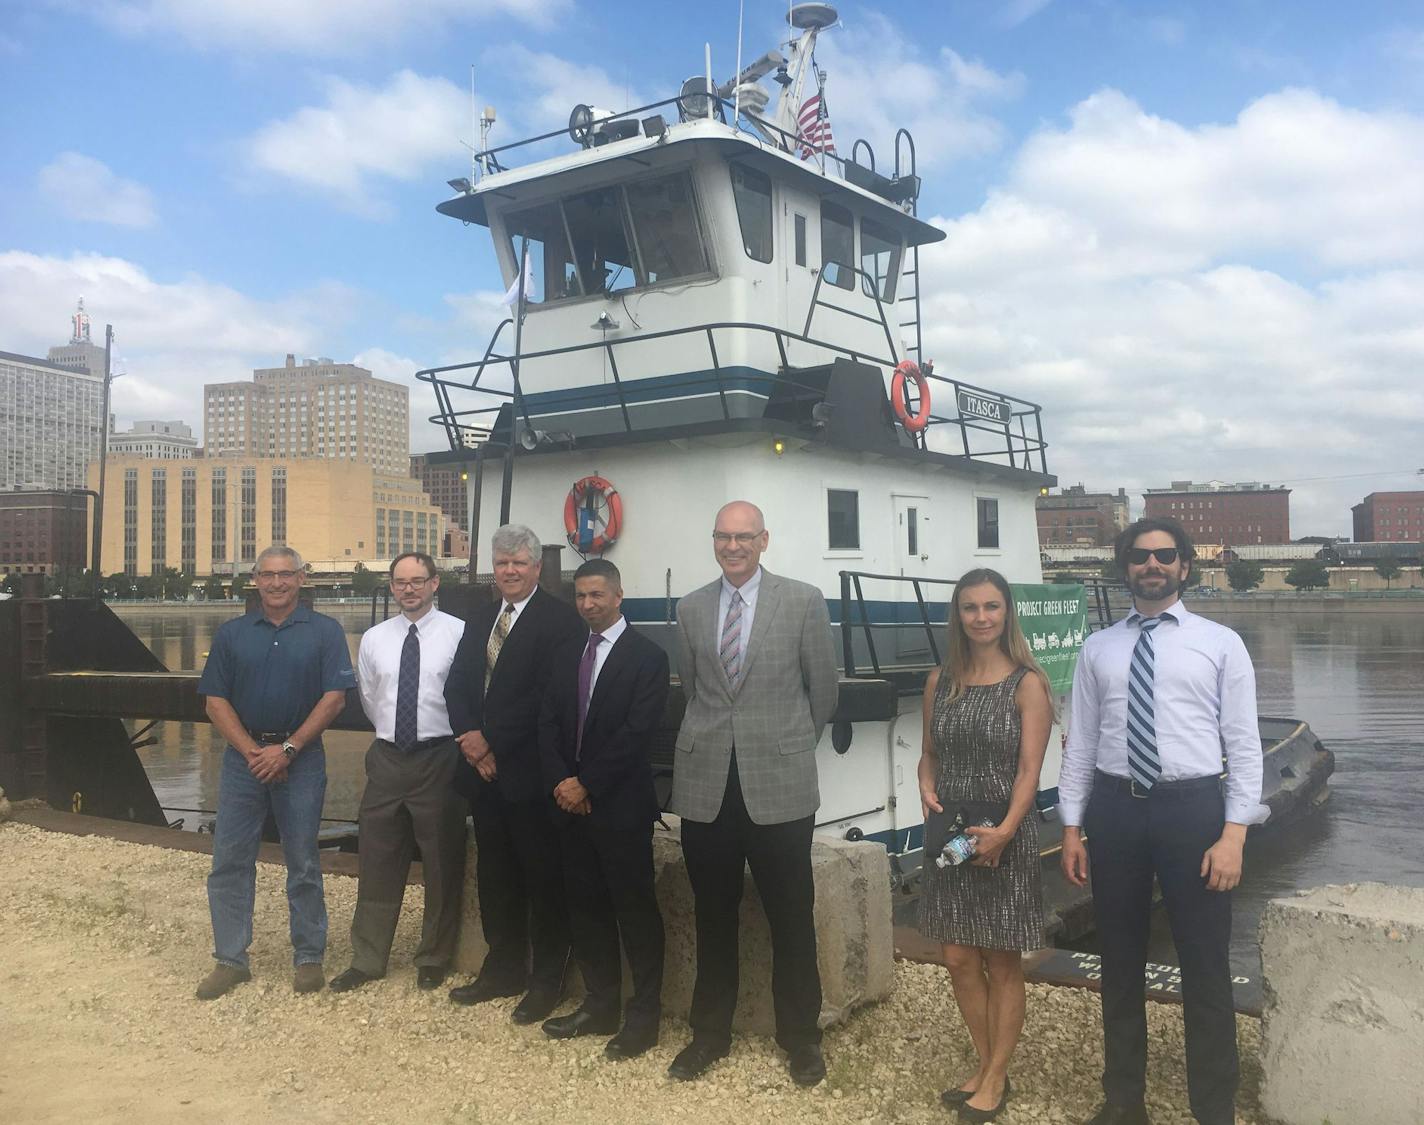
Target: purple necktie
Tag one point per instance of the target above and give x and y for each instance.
(585, 685)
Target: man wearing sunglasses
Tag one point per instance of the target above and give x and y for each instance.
(1161, 701)
(409, 799)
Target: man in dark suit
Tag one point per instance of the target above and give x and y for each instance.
(605, 701)
(494, 693)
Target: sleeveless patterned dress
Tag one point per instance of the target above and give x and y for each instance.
(976, 743)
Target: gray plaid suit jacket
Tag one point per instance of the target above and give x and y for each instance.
(774, 717)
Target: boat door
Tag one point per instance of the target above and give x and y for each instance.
(912, 559)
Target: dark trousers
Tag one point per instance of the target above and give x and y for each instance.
(608, 875)
(407, 803)
(521, 890)
(717, 856)
(1129, 840)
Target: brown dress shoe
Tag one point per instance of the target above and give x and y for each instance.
(308, 978)
(222, 980)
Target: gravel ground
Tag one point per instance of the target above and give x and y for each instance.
(102, 944)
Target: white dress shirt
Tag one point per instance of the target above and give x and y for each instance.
(600, 656)
(1203, 700)
(513, 617)
(378, 671)
(749, 590)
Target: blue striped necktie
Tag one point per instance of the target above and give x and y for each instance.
(730, 650)
(1143, 764)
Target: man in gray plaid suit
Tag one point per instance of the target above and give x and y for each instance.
(758, 668)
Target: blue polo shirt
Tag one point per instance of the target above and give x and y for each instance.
(273, 675)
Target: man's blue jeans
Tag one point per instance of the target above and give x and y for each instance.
(243, 802)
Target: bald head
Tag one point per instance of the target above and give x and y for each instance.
(738, 538)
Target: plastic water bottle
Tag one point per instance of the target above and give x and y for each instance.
(960, 847)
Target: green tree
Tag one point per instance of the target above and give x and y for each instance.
(363, 581)
(1388, 568)
(11, 585)
(1243, 575)
(213, 588)
(1308, 574)
(239, 586)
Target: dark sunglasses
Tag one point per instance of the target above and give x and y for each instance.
(1164, 555)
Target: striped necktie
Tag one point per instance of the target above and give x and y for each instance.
(730, 650)
(1143, 764)
(496, 641)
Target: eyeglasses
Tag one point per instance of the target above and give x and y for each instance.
(408, 583)
(1164, 555)
(740, 538)
(274, 575)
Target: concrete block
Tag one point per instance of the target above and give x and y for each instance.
(854, 941)
(1344, 1015)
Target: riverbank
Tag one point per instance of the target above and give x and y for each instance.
(1382, 602)
(103, 942)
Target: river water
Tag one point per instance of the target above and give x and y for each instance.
(1356, 678)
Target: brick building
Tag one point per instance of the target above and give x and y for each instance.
(43, 531)
(1389, 516)
(445, 485)
(1075, 517)
(1230, 514)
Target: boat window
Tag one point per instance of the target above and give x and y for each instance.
(752, 191)
(600, 238)
(988, 523)
(879, 259)
(665, 227)
(842, 519)
(800, 240)
(551, 266)
(837, 246)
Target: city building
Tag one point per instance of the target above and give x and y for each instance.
(1077, 517)
(81, 353)
(1385, 516)
(212, 515)
(456, 544)
(43, 531)
(171, 441)
(445, 485)
(51, 423)
(317, 409)
(1229, 514)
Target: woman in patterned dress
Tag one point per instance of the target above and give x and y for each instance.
(988, 711)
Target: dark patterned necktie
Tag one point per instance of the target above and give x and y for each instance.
(1143, 764)
(585, 686)
(408, 690)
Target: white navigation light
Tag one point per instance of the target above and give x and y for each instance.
(813, 17)
(696, 100)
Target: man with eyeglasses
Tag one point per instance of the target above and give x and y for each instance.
(409, 800)
(275, 678)
(1158, 700)
(758, 669)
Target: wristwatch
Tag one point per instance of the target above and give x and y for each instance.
(290, 750)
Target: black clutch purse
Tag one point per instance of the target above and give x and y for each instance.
(940, 827)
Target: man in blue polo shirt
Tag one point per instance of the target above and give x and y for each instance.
(274, 680)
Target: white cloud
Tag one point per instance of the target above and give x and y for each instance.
(879, 80)
(1238, 301)
(366, 134)
(319, 27)
(87, 189)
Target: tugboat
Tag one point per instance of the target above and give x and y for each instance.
(709, 303)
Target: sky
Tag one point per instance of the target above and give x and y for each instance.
(1193, 232)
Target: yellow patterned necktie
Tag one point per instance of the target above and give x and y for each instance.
(496, 641)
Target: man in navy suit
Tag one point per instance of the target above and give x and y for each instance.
(605, 701)
(493, 694)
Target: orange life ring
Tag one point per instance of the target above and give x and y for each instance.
(913, 423)
(593, 516)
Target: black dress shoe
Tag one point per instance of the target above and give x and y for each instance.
(968, 1112)
(953, 1099)
(351, 978)
(580, 1022)
(428, 977)
(1111, 1114)
(806, 1064)
(480, 990)
(630, 1043)
(694, 1059)
(536, 1005)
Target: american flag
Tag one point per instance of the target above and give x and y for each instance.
(813, 128)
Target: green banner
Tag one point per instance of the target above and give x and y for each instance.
(1055, 624)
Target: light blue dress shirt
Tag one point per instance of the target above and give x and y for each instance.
(1204, 704)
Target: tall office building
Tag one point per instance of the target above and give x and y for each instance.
(316, 409)
(81, 353)
(445, 485)
(1229, 514)
(51, 422)
(1384, 516)
(169, 440)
